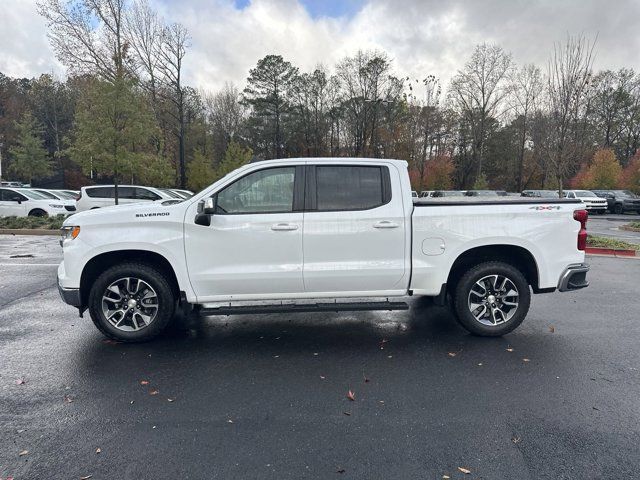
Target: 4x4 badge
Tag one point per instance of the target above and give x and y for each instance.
(545, 207)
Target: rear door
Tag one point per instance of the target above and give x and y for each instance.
(354, 229)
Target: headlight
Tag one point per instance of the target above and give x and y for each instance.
(56, 206)
(69, 233)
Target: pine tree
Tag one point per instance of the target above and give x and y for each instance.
(29, 157)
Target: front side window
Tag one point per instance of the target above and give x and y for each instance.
(343, 187)
(144, 194)
(264, 191)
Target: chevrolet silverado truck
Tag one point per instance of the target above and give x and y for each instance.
(330, 234)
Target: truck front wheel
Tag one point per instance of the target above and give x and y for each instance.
(492, 299)
(131, 302)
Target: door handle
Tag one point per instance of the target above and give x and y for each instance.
(283, 227)
(385, 224)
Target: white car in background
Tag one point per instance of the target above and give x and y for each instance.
(23, 202)
(68, 198)
(183, 193)
(98, 196)
(592, 202)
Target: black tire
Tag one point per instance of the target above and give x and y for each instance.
(618, 209)
(37, 212)
(156, 279)
(466, 283)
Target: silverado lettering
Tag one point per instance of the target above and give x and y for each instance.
(153, 214)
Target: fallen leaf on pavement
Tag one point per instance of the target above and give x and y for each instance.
(452, 354)
(68, 399)
(526, 360)
(23, 453)
(348, 414)
(552, 329)
(340, 470)
(20, 381)
(366, 380)
(382, 342)
(322, 377)
(229, 421)
(351, 396)
(98, 450)
(509, 349)
(154, 392)
(170, 399)
(515, 439)
(86, 478)
(445, 477)
(144, 382)
(466, 471)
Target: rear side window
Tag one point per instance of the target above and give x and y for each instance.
(100, 192)
(346, 187)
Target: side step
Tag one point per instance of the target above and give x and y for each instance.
(304, 308)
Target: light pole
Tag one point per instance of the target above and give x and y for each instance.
(1, 145)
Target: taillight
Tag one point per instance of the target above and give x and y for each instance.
(581, 216)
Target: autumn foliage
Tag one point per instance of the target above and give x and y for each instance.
(630, 177)
(438, 174)
(604, 172)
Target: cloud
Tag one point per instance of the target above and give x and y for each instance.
(421, 36)
(25, 50)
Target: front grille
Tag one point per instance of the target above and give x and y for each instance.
(70, 208)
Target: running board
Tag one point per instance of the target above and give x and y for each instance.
(303, 308)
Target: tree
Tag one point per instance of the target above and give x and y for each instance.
(267, 93)
(114, 130)
(28, 157)
(200, 173)
(226, 115)
(630, 177)
(439, 173)
(526, 85)
(477, 91)
(175, 41)
(235, 157)
(569, 76)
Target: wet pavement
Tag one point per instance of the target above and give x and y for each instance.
(265, 396)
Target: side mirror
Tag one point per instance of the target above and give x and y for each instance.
(209, 207)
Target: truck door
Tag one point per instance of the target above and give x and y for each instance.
(354, 229)
(253, 246)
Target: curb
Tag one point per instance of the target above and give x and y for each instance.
(610, 251)
(28, 231)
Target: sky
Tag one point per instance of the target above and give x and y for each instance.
(422, 37)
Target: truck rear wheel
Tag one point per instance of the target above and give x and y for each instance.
(131, 302)
(492, 299)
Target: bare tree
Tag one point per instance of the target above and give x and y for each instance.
(144, 34)
(175, 41)
(88, 36)
(226, 115)
(569, 77)
(526, 86)
(478, 91)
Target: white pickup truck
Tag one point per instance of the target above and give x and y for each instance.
(314, 235)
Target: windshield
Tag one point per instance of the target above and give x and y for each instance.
(32, 195)
(65, 195)
(46, 194)
(170, 193)
(625, 193)
(584, 193)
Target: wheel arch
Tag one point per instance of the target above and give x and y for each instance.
(98, 264)
(519, 257)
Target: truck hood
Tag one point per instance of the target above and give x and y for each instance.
(129, 213)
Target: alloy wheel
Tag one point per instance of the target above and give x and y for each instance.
(130, 304)
(493, 300)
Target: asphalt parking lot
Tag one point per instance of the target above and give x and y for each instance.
(609, 226)
(266, 396)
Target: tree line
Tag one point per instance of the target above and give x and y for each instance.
(125, 114)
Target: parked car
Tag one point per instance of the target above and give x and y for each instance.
(541, 193)
(68, 198)
(592, 202)
(22, 202)
(183, 193)
(485, 193)
(240, 241)
(98, 196)
(620, 201)
(447, 193)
